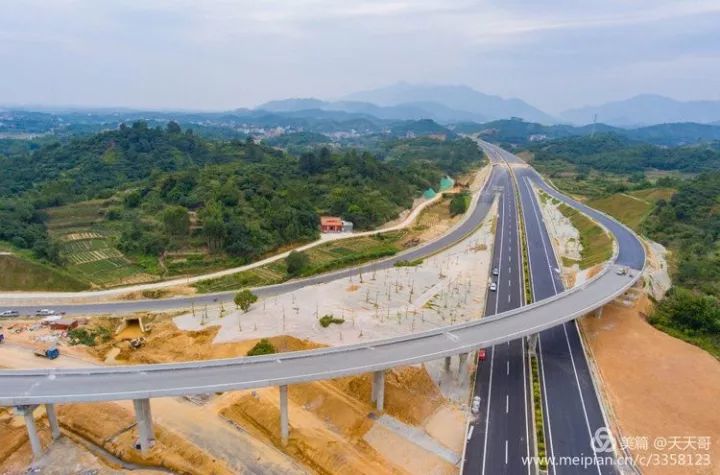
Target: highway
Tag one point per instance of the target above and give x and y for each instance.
(20, 387)
(502, 432)
(572, 410)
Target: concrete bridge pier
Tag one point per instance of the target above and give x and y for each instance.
(143, 419)
(378, 389)
(598, 312)
(53, 421)
(27, 412)
(284, 425)
(532, 344)
(462, 364)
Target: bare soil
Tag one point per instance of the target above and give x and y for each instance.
(657, 386)
(111, 426)
(329, 420)
(165, 343)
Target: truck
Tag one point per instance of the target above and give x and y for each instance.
(49, 352)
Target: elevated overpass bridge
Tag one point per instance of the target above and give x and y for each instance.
(26, 389)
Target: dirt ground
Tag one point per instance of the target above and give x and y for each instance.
(165, 343)
(658, 387)
(329, 422)
(333, 423)
(111, 426)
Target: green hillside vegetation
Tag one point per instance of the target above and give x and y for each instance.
(141, 203)
(665, 194)
(23, 274)
(616, 154)
(634, 207)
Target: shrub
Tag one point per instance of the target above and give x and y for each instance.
(262, 347)
(244, 299)
(88, 336)
(406, 263)
(296, 263)
(326, 320)
(459, 203)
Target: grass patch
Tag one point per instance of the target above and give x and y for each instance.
(597, 245)
(89, 336)
(405, 263)
(632, 208)
(326, 257)
(538, 412)
(327, 320)
(19, 273)
(709, 342)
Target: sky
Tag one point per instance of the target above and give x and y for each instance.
(221, 54)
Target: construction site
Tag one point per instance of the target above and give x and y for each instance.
(334, 428)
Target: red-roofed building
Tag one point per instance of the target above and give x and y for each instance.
(331, 224)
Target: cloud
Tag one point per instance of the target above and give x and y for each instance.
(221, 53)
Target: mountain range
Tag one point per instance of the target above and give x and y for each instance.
(646, 109)
(456, 103)
(403, 101)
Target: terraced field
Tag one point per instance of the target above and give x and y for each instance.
(323, 258)
(86, 245)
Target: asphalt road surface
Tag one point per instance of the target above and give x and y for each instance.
(501, 433)
(572, 411)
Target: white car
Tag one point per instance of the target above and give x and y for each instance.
(45, 311)
(9, 313)
(475, 408)
(493, 286)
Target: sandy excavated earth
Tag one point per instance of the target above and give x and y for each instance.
(657, 386)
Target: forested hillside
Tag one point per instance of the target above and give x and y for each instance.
(617, 154)
(689, 224)
(148, 191)
(672, 196)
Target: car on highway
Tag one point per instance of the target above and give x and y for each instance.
(493, 286)
(496, 271)
(482, 354)
(475, 407)
(45, 311)
(9, 313)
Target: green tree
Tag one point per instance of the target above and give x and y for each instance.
(262, 347)
(173, 127)
(244, 299)
(459, 203)
(176, 221)
(296, 262)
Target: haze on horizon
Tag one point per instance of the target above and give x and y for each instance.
(219, 55)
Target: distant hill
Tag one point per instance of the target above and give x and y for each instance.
(419, 127)
(458, 98)
(405, 111)
(520, 132)
(646, 109)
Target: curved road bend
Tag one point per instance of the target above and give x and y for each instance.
(457, 234)
(572, 410)
(18, 387)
